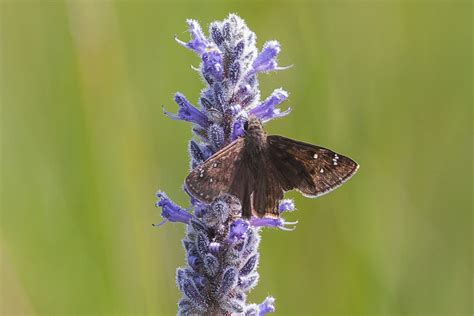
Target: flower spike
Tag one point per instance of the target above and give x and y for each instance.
(221, 247)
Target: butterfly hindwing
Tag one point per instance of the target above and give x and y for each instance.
(268, 192)
(310, 169)
(243, 185)
(256, 184)
(216, 175)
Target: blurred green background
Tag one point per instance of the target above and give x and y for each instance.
(84, 147)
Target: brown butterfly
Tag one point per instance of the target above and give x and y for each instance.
(258, 169)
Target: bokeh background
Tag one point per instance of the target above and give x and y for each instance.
(84, 147)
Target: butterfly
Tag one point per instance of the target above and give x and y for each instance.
(259, 168)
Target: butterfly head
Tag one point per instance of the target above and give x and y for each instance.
(254, 130)
(253, 125)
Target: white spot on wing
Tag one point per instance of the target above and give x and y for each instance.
(315, 156)
(321, 170)
(343, 180)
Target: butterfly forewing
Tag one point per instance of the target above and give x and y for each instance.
(215, 176)
(310, 169)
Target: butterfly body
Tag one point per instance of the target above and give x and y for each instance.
(258, 169)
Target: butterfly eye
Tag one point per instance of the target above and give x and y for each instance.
(246, 125)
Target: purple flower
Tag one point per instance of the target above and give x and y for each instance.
(267, 109)
(170, 211)
(188, 112)
(268, 306)
(212, 65)
(238, 230)
(266, 60)
(286, 205)
(238, 130)
(222, 248)
(198, 41)
(272, 222)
